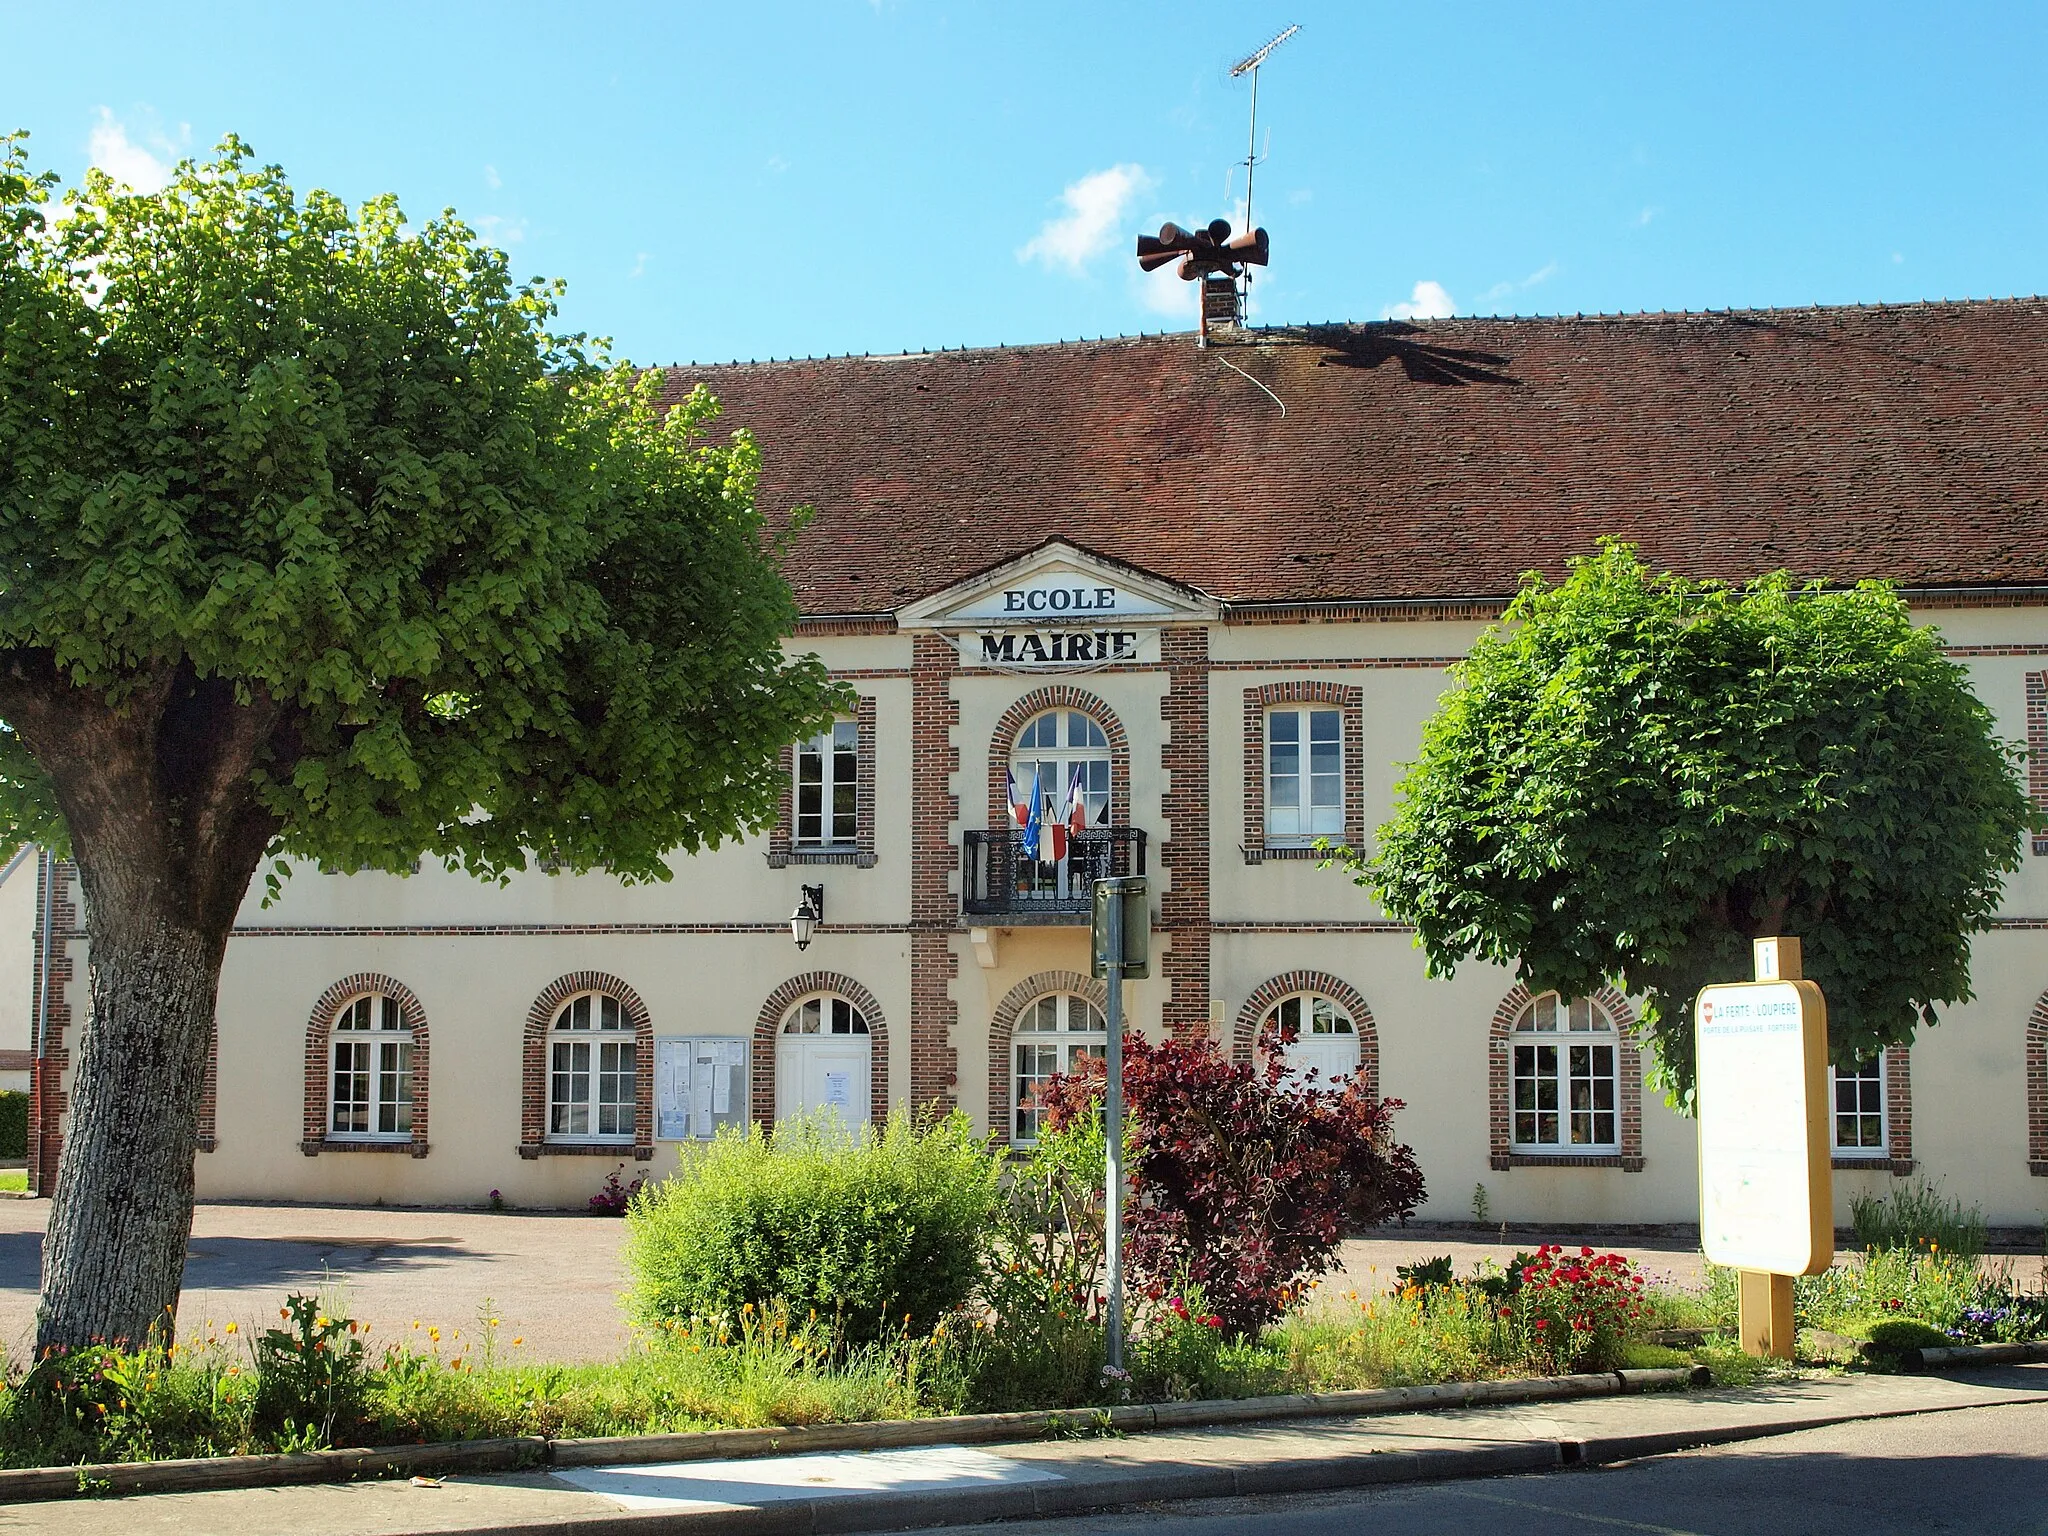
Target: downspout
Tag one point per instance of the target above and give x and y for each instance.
(40, 1020)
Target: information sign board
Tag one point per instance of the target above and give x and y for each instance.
(1766, 1194)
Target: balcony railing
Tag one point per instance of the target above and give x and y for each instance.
(998, 881)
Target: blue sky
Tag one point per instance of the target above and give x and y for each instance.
(764, 179)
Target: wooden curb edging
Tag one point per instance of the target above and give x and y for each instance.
(1976, 1354)
(28, 1484)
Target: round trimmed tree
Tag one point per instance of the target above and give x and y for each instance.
(316, 542)
(1634, 775)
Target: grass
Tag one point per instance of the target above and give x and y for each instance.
(13, 1178)
(1916, 1219)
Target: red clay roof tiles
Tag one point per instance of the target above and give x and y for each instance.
(1438, 459)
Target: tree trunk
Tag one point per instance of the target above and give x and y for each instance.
(114, 1256)
(158, 793)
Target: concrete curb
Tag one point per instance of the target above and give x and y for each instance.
(509, 1455)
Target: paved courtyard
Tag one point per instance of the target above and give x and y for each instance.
(554, 1279)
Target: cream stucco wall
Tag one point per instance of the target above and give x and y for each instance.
(705, 949)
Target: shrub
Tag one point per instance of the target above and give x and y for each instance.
(311, 1377)
(1179, 1352)
(1918, 1218)
(1239, 1183)
(874, 1235)
(13, 1124)
(1576, 1312)
(612, 1200)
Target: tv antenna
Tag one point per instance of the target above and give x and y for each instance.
(1249, 65)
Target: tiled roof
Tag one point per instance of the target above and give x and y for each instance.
(1425, 460)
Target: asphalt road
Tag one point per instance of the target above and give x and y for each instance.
(1978, 1470)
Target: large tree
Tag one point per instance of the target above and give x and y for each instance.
(1634, 775)
(316, 542)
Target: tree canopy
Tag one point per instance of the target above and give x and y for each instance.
(1634, 775)
(316, 540)
(487, 598)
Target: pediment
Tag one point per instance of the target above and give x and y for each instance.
(1054, 586)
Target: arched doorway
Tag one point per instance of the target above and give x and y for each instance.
(824, 1062)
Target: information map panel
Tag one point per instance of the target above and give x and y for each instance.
(1766, 1193)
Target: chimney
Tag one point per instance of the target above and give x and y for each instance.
(1220, 310)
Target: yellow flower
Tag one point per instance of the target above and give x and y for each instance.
(434, 1334)
(520, 1340)
(234, 1327)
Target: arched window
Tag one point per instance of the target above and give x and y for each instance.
(1564, 1080)
(592, 1071)
(824, 1016)
(1062, 759)
(1051, 1036)
(1325, 1043)
(370, 1093)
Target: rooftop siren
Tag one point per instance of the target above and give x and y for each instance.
(1212, 256)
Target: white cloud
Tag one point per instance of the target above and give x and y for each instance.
(492, 179)
(639, 264)
(777, 164)
(111, 149)
(1092, 222)
(1164, 293)
(1898, 258)
(1429, 301)
(502, 231)
(1646, 215)
(1542, 274)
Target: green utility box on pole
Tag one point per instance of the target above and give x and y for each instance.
(1131, 892)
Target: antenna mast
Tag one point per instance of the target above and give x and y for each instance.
(1249, 65)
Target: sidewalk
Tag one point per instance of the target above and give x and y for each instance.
(887, 1490)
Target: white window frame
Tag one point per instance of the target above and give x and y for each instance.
(375, 1024)
(835, 755)
(1304, 821)
(1043, 1026)
(1563, 1034)
(824, 1013)
(1874, 1154)
(1307, 1007)
(598, 1035)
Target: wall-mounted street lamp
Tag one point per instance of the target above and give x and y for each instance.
(810, 912)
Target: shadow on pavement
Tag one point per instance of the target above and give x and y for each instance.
(237, 1263)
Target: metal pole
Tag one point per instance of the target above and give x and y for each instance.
(1251, 153)
(1113, 1122)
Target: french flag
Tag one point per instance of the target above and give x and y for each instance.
(1020, 808)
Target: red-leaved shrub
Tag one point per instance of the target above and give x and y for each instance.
(1240, 1183)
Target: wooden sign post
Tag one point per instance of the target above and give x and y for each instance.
(1766, 1188)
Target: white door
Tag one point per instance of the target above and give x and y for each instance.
(824, 1062)
(1325, 1045)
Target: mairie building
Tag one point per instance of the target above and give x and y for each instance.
(1142, 607)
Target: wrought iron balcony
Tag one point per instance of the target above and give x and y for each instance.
(997, 880)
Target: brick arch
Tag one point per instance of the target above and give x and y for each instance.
(1020, 714)
(768, 1025)
(1628, 1071)
(1004, 1020)
(533, 1077)
(320, 1025)
(2037, 1089)
(1244, 1036)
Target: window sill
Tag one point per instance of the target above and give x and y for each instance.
(617, 1149)
(1269, 852)
(207, 1143)
(858, 858)
(314, 1147)
(1506, 1160)
(1898, 1166)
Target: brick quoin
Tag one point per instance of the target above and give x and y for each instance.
(1184, 854)
(319, 1037)
(56, 894)
(2037, 1089)
(533, 1076)
(2037, 747)
(768, 1030)
(1628, 1070)
(1244, 1037)
(934, 858)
